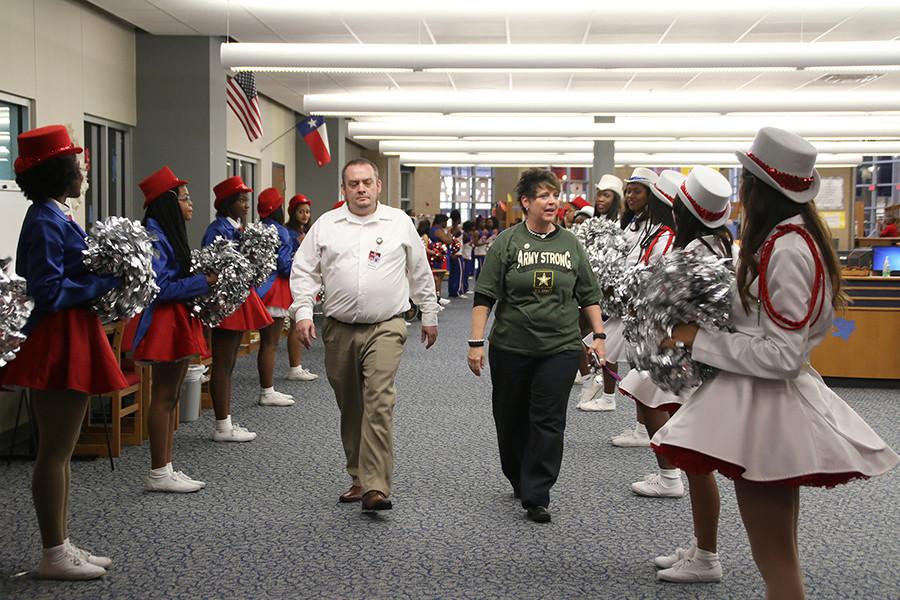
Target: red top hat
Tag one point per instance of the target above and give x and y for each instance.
(579, 203)
(296, 201)
(337, 204)
(270, 200)
(229, 187)
(158, 184)
(39, 144)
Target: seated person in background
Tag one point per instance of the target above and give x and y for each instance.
(890, 228)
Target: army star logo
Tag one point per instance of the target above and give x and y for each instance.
(543, 282)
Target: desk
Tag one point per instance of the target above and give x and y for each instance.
(871, 349)
(865, 242)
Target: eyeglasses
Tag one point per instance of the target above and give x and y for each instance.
(184, 198)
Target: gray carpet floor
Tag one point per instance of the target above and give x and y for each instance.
(269, 525)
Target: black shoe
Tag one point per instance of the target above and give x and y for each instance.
(539, 514)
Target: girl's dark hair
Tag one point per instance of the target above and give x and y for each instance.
(468, 226)
(424, 227)
(225, 206)
(613, 213)
(532, 179)
(764, 208)
(691, 228)
(277, 215)
(165, 211)
(440, 220)
(656, 210)
(293, 223)
(49, 179)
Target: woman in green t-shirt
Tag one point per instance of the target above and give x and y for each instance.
(537, 274)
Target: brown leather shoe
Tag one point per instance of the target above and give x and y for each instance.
(375, 500)
(354, 494)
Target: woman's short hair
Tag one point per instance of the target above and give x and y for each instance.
(49, 179)
(535, 178)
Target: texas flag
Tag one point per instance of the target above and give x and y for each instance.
(315, 133)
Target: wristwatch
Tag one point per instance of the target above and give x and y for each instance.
(599, 336)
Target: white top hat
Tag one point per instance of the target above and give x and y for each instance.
(588, 211)
(707, 193)
(643, 175)
(666, 186)
(785, 161)
(612, 183)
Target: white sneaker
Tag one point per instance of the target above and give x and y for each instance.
(70, 566)
(589, 388)
(180, 475)
(443, 301)
(170, 483)
(665, 562)
(581, 379)
(101, 561)
(602, 403)
(300, 374)
(235, 434)
(274, 398)
(692, 570)
(632, 438)
(654, 487)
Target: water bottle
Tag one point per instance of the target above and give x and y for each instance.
(886, 267)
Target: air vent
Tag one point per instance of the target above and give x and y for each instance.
(846, 78)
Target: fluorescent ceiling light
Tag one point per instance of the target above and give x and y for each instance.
(365, 103)
(574, 159)
(628, 128)
(396, 147)
(448, 57)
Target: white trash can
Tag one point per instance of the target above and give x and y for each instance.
(189, 401)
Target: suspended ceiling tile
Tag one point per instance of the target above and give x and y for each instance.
(481, 81)
(781, 82)
(697, 30)
(481, 31)
(562, 29)
(718, 82)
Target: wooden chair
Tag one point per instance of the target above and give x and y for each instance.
(126, 419)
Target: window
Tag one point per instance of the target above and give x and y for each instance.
(246, 168)
(405, 184)
(107, 156)
(575, 181)
(470, 190)
(278, 178)
(13, 121)
(877, 188)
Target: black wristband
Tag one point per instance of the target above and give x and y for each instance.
(599, 336)
(476, 343)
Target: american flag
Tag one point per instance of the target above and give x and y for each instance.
(241, 93)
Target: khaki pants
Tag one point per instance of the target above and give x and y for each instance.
(361, 362)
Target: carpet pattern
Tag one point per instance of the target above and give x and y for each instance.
(269, 526)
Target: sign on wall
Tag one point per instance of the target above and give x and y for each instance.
(831, 194)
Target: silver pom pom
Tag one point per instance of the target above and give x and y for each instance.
(122, 247)
(233, 285)
(606, 250)
(15, 308)
(259, 244)
(684, 287)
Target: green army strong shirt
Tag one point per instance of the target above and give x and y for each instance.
(538, 285)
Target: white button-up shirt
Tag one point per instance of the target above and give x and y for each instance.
(370, 267)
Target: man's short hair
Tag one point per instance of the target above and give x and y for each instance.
(355, 162)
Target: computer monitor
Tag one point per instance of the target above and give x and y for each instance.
(891, 253)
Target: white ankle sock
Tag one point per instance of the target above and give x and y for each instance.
(609, 396)
(55, 553)
(705, 555)
(224, 424)
(160, 472)
(670, 474)
(170, 468)
(268, 390)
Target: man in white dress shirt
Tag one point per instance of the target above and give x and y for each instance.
(371, 262)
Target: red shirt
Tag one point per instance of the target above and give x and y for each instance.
(890, 231)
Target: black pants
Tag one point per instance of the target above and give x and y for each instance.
(530, 394)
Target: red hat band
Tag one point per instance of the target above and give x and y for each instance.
(157, 184)
(270, 200)
(229, 187)
(706, 214)
(43, 143)
(790, 182)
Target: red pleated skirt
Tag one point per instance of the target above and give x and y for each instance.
(173, 335)
(250, 316)
(697, 462)
(67, 350)
(279, 295)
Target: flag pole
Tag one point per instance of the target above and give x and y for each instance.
(291, 128)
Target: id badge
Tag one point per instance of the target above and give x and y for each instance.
(374, 259)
